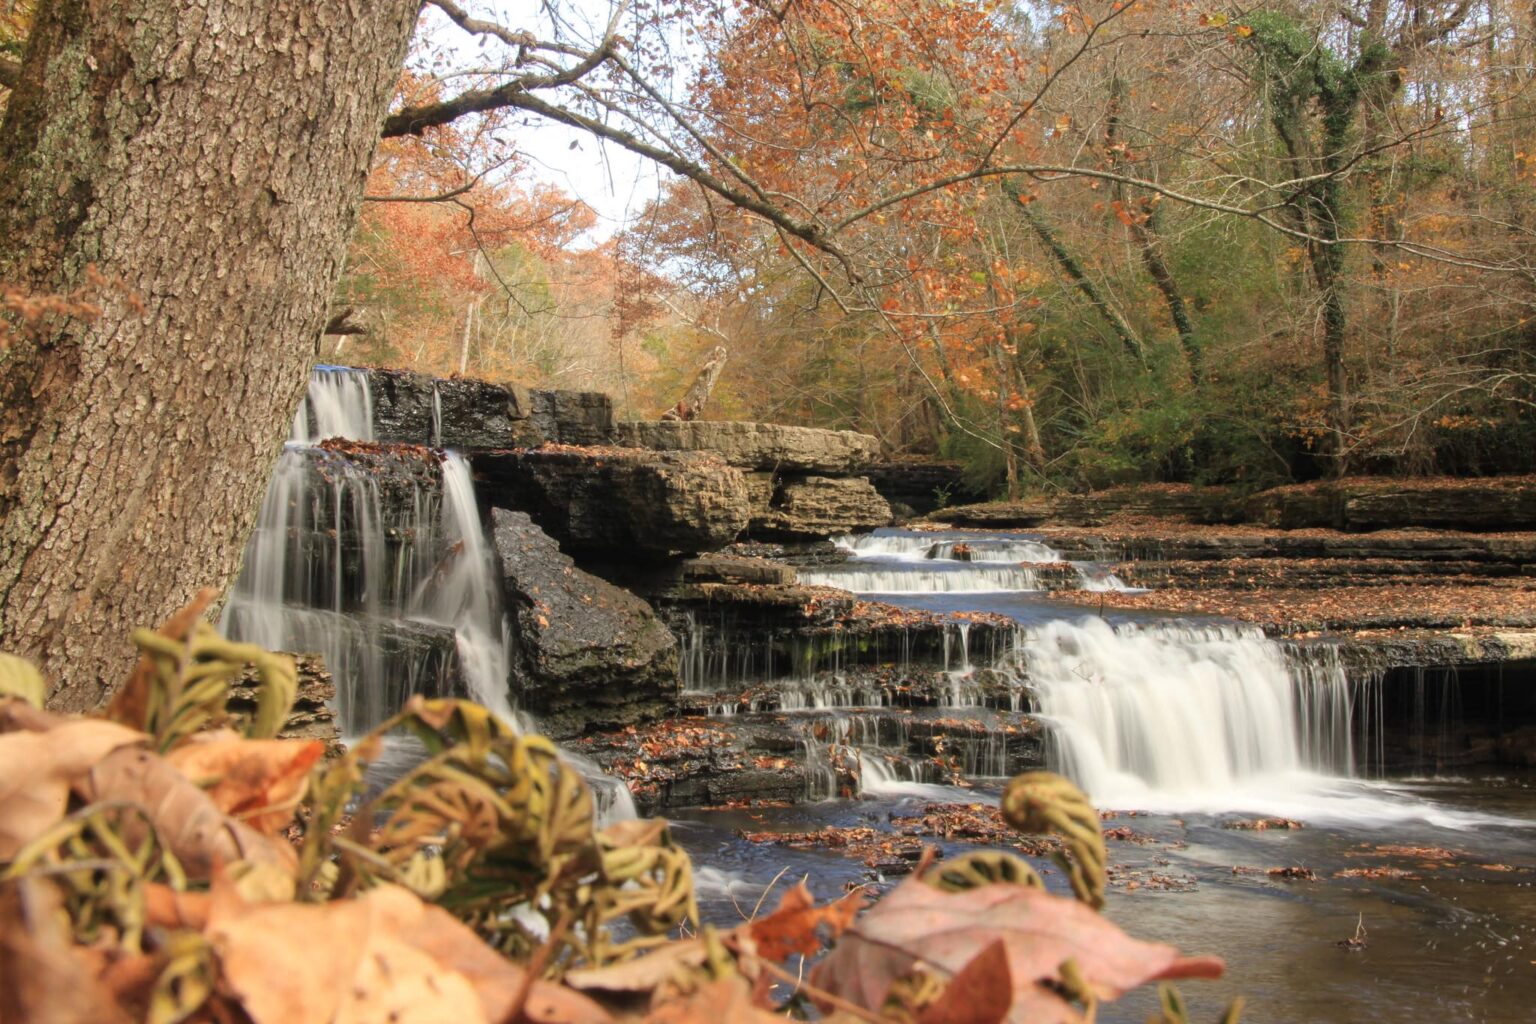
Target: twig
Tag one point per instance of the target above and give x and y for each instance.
(536, 965)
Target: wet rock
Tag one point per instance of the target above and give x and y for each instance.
(759, 446)
(697, 762)
(589, 655)
(457, 412)
(819, 506)
(619, 501)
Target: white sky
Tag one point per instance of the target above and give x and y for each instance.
(614, 182)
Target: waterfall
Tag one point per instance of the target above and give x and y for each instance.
(927, 578)
(1178, 709)
(910, 546)
(465, 593)
(375, 582)
(339, 403)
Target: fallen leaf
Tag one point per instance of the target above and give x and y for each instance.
(290, 963)
(793, 927)
(917, 922)
(44, 977)
(38, 768)
(717, 1002)
(980, 994)
(186, 819)
(246, 777)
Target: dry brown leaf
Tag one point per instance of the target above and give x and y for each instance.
(497, 981)
(384, 956)
(18, 716)
(981, 993)
(642, 974)
(917, 922)
(246, 777)
(44, 977)
(38, 768)
(793, 927)
(188, 822)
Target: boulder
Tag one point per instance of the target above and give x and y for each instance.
(457, 412)
(588, 654)
(819, 506)
(764, 446)
(619, 500)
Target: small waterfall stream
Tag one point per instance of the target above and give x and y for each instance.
(1136, 710)
(400, 597)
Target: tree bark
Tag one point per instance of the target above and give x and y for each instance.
(208, 156)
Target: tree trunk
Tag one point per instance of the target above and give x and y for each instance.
(208, 156)
(1069, 266)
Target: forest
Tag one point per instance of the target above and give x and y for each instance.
(1074, 245)
(687, 511)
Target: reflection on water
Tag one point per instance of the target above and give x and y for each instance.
(1452, 939)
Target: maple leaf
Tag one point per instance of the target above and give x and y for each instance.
(919, 924)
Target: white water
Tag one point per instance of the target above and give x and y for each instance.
(929, 578)
(1181, 710)
(465, 593)
(339, 403)
(325, 572)
(919, 547)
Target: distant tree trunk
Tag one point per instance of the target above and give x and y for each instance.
(1069, 266)
(208, 157)
(1143, 229)
(696, 398)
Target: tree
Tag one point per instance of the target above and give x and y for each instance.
(207, 160)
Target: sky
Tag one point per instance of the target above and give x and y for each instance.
(614, 182)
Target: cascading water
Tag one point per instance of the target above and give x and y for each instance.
(464, 593)
(929, 578)
(375, 581)
(1179, 710)
(1136, 710)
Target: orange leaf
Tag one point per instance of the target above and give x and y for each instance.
(792, 928)
(1039, 931)
(246, 777)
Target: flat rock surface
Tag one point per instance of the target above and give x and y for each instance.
(812, 507)
(1285, 611)
(762, 446)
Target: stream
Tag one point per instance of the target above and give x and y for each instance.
(1180, 729)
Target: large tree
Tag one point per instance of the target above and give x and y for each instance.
(206, 159)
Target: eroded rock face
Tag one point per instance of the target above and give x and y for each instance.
(761, 446)
(619, 500)
(819, 506)
(456, 412)
(311, 717)
(589, 655)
